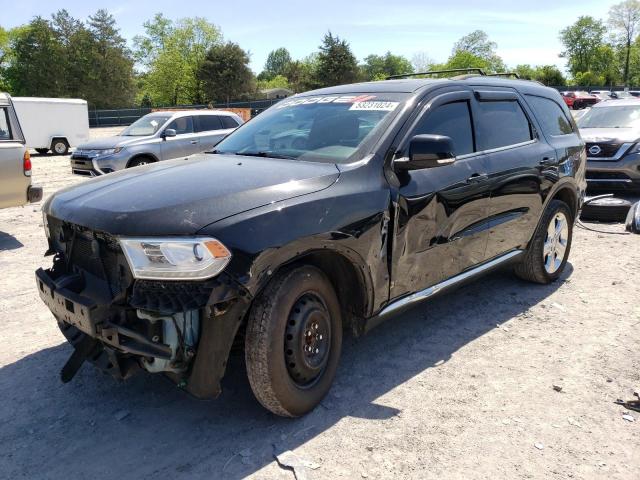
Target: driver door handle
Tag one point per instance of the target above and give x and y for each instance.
(477, 178)
(193, 142)
(547, 162)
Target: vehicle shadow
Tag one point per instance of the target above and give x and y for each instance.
(96, 427)
(9, 242)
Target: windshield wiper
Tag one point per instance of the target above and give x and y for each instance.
(266, 154)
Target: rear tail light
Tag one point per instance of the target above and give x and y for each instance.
(26, 163)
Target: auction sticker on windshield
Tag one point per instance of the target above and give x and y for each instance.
(379, 106)
(354, 99)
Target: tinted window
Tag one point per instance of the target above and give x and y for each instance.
(550, 115)
(182, 125)
(228, 122)
(502, 123)
(452, 120)
(5, 130)
(207, 123)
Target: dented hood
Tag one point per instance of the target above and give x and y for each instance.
(179, 197)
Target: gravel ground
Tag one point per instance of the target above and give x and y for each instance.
(462, 387)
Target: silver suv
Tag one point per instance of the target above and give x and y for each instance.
(611, 130)
(15, 162)
(154, 137)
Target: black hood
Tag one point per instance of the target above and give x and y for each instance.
(179, 197)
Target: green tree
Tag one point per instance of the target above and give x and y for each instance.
(277, 63)
(624, 19)
(336, 63)
(5, 52)
(422, 62)
(476, 45)
(526, 72)
(35, 54)
(301, 74)
(379, 67)
(225, 73)
(550, 75)
(172, 53)
(581, 42)
(112, 75)
(279, 81)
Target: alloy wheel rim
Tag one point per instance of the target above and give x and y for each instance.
(555, 243)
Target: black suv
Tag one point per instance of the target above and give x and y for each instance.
(333, 210)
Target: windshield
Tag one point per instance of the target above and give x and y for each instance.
(627, 116)
(147, 125)
(321, 128)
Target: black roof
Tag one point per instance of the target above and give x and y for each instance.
(410, 85)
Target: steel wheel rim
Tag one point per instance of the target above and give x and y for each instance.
(555, 243)
(307, 343)
(59, 147)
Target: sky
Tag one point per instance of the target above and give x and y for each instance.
(526, 32)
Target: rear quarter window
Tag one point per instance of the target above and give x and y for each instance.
(5, 128)
(550, 115)
(502, 123)
(228, 122)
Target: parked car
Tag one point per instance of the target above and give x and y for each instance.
(621, 95)
(578, 99)
(602, 94)
(15, 161)
(334, 209)
(612, 132)
(634, 93)
(55, 124)
(154, 137)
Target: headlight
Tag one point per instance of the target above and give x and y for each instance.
(109, 151)
(175, 258)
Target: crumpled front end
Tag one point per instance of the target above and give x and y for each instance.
(184, 329)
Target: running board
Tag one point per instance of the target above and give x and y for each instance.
(430, 292)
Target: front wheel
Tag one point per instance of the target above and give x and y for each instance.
(548, 251)
(293, 341)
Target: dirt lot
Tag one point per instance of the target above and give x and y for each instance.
(462, 387)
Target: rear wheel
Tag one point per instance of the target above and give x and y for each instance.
(59, 146)
(549, 248)
(293, 341)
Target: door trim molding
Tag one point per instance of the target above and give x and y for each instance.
(429, 292)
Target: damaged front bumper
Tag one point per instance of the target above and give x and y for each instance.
(184, 329)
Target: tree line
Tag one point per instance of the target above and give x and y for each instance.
(188, 61)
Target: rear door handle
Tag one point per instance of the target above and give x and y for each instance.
(477, 178)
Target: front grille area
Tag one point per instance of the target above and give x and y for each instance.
(95, 253)
(607, 150)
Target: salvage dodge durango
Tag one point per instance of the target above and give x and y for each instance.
(333, 210)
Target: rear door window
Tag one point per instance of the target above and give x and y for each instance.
(228, 122)
(5, 128)
(502, 123)
(452, 120)
(550, 115)
(207, 123)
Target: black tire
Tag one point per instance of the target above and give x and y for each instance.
(59, 146)
(42, 151)
(577, 106)
(606, 210)
(285, 377)
(535, 266)
(139, 161)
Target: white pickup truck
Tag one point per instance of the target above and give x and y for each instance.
(15, 161)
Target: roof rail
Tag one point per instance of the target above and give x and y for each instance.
(504, 74)
(437, 72)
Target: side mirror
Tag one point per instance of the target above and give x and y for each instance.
(169, 132)
(427, 151)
